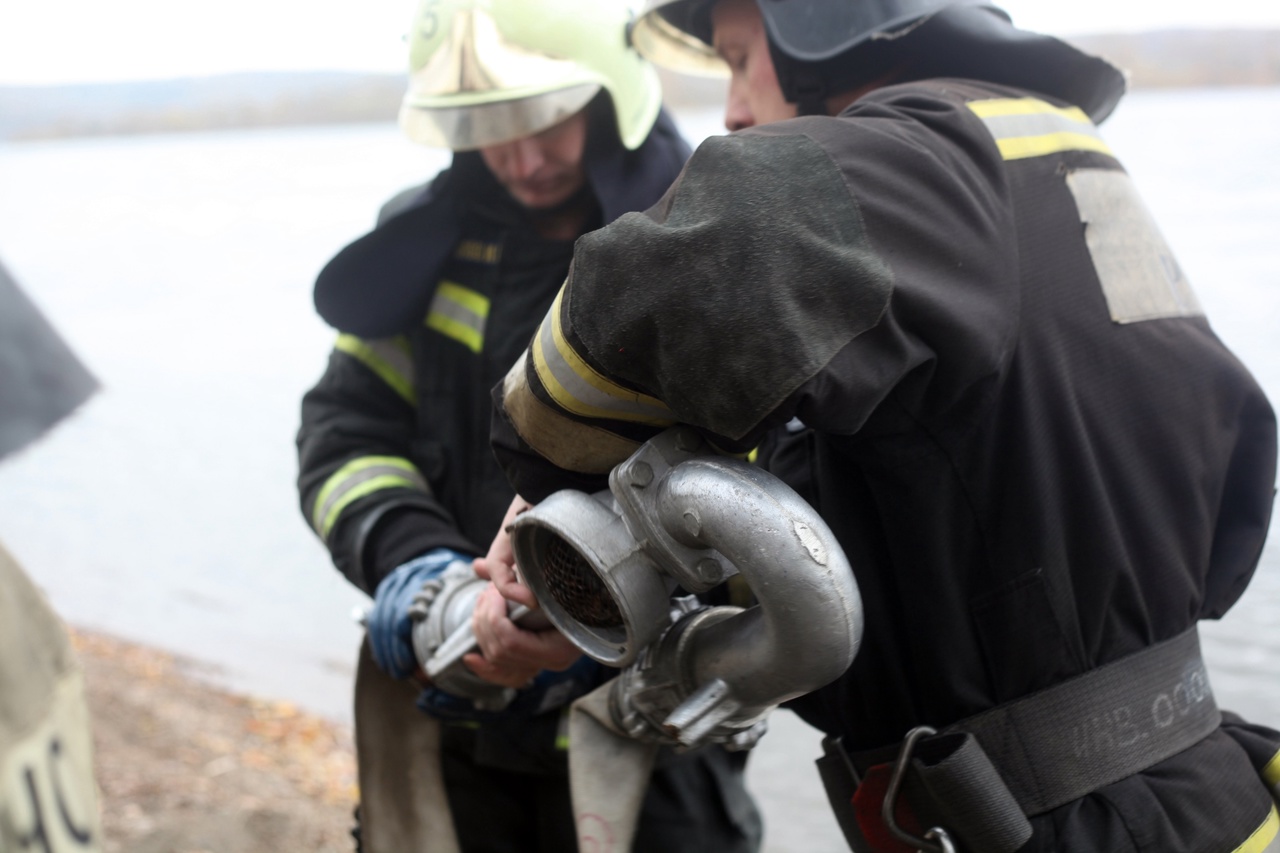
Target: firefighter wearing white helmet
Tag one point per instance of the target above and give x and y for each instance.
(484, 73)
(920, 281)
(557, 128)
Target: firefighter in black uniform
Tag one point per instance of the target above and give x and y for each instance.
(920, 279)
(557, 128)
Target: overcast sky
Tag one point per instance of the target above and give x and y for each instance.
(60, 41)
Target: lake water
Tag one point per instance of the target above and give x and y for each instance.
(180, 268)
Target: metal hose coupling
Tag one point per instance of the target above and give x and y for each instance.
(604, 568)
(441, 614)
(442, 635)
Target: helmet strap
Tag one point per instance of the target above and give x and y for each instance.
(802, 83)
(808, 91)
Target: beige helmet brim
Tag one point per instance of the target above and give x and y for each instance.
(481, 88)
(484, 72)
(470, 126)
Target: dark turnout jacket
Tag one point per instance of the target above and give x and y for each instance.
(1003, 398)
(433, 307)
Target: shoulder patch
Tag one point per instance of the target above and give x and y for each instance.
(1140, 277)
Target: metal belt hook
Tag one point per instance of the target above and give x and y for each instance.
(937, 839)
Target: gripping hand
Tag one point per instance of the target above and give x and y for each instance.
(389, 623)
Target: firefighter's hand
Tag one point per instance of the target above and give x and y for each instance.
(499, 565)
(388, 622)
(511, 655)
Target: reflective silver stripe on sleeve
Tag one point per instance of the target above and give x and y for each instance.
(459, 313)
(578, 388)
(360, 477)
(556, 437)
(389, 358)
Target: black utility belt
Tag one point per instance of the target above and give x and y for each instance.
(981, 778)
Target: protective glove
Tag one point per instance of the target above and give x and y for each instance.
(389, 624)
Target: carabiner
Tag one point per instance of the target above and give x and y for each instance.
(936, 840)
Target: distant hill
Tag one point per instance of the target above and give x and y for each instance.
(225, 101)
(1177, 58)
(1192, 58)
(1153, 60)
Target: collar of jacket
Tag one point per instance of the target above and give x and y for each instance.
(980, 43)
(379, 285)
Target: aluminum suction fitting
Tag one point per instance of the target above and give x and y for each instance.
(604, 568)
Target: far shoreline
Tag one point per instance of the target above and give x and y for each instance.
(1169, 59)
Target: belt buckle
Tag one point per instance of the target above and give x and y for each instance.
(937, 839)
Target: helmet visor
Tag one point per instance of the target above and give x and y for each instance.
(468, 127)
(477, 87)
(676, 34)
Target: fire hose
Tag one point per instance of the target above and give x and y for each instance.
(609, 569)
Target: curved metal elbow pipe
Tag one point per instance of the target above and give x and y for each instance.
(807, 626)
(604, 566)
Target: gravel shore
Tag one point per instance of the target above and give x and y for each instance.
(186, 768)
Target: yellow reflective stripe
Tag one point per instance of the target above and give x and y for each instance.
(564, 442)
(358, 478)
(1029, 127)
(1271, 773)
(1263, 839)
(467, 298)
(367, 487)
(1037, 146)
(578, 388)
(998, 107)
(744, 455)
(478, 252)
(460, 332)
(562, 729)
(389, 359)
(459, 313)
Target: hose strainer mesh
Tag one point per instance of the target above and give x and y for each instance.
(577, 588)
